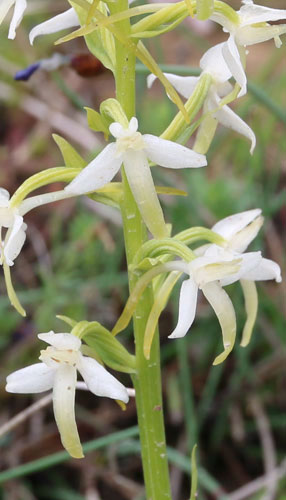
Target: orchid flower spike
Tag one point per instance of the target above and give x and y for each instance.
(214, 64)
(58, 371)
(11, 219)
(252, 27)
(134, 149)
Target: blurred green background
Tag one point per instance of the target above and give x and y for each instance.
(73, 264)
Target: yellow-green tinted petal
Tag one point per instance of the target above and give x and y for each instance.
(63, 403)
(224, 310)
(11, 292)
(251, 306)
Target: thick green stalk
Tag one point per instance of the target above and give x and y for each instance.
(147, 381)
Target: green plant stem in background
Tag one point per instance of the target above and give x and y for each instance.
(147, 381)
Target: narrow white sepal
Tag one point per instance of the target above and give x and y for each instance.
(97, 173)
(187, 308)
(65, 20)
(249, 262)
(169, 154)
(99, 381)
(20, 7)
(14, 240)
(266, 270)
(214, 63)
(230, 119)
(64, 411)
(185, 85)
(31, 379)
(232, 224)
(233, 61)
(252, 14)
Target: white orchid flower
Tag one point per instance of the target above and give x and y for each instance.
(58, 371)
(216, 267)
(134, 149)
(252, 28)
(214, 64)
(19, 9)
(11, 220)
(209, 273)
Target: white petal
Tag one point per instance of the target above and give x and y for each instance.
(214, 63)
(232, 224)
(4, 198)
(31, 380)
(133, 125)
(15, 240)
(185, 85)
(170, 154)
(65, 20)
(99, 381)
(187, 308)
(266, 270)
(63, 403)
(5, 6)
(20, 7)
(251, 307)
(97, 173)
(142, 186)
(61, 341)
(249, 35)
(116, 130)
(240, 241)
(223, 308)
(249, 262)
(230, 119)
(233, 61)
(251, 14)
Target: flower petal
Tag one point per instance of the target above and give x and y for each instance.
(4, 198)
(15, 240)
(97, 173)
(63, 403)
(251, 307)
(61, 341)
(99, 381)
(214, 63)
(252, 14)
(187, 308)
(65, 20)
(231, 225)
(249, 35)
(5, 6)
(170, 154)
(20, 7)
(230, 119)
(240, 241)
(31, 380)
(233, 61)
(185, 85)
(142, 186)
(223, 308)
(249, 262)
(266, 270)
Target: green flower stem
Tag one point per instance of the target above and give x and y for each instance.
(147, 381)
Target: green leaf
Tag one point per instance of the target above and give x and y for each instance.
(194, 474)
(71, 157)
(96, 122)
